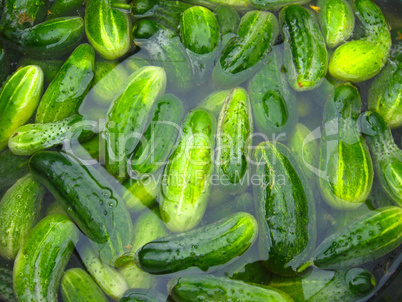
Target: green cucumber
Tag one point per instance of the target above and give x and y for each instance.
(88, 199)
(305, 69)
(241, 56)
(145, 295)
(273, 101)
(42, 258)
(234, 141)
(186, 177)
(128, 115)
(23, 13)
(368, 238)
(50, 39)
(55, 208)
(214, 101)
(141, 193)
(337, 21)
(387, 156)
(78, 286)
(19, 212)
(12, 168)
(284, 205)
(134, 63)
(160, 136)
(205, 248)
(228, 20)
(6, 285)
(239, 5)
(67, 90)
(346, 170)
(360, 60)
(65, 8)
(30, 138)
(107, 29)
(210, 288)
(4, 65)
(19, 97)
(50, 68)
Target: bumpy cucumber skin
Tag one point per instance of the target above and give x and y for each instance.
(241, 56)
(19, 212)
(141, 194)
(12, 168)
(50, 39)
(305, 69)
(107, 29)
(128, 115)
(145, 295)
(337, 21)
(210, 288)
(23, 13)
(214, 101)
(205, 248)
(368, 238)
(50, 68)
(6, 285)
(234, 140)
(30, 138)
(19, 97)
(273, 101)
(77, 285)
(186, 185)
(87, 198)
(346, 170)
(159, 138)
(285, 209)
(42, 258)
(67, 90)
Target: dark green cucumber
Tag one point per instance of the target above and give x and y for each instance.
(6, 285)
(145, 295)
(234, 141)
(50, 39)
(273, 101)
(67, 90)
(50, 68)
(387, 156)
(42, 258)
(88, 199)
(4, 65)
(78, 286)
(160, 136)
(107, 28)
(65, 8)
(366, 239)
(12, 168)
(204, 248)
(23, 13)
(19, 212)
(284, 205)
(305, 69)
(214, 101)
(141, 193)
(187, 175)
(128, 115)
(19, 97)
(210, 288)
(346, 170)
(241, 56)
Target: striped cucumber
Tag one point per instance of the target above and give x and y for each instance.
(214, 101)
(6, 285)
(234, 140)
(185, 189)
(19, 97)
(284, 205)
(42, 258)
(346, 170)
(12, 168)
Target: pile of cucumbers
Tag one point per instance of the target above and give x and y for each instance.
(198, 150)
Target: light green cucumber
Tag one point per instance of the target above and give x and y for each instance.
(141, 193)
(214, 101)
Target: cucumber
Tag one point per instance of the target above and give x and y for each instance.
(107, 29)
(87, 198)
(160, 136)
(241, 56)
(368, 238)
(284, 205)
(19, 212)
(214, 101)
(50, 68)
(234, 141)
(48, 40)
(228, 20)
(12, 168)
(67, 90)
(186, 177)
(210, 288)
(42, 258)
(360, 60)
(273, 101)
(305, 69)
(346, 170)
(128, 115)
(387, 156)
(337, 21)
(239, 5)
(275, 4)
(23, 13)
(141, 193)
(19, 97)
(65, 8)
(4, 65)
(205, 248)
(146, 295)
(55, 208)
(30, 138)
(134, 63)
(6, 285)
(78, 286)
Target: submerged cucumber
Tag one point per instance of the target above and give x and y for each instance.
(142, 295)
(214, 101)
(141, 193)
